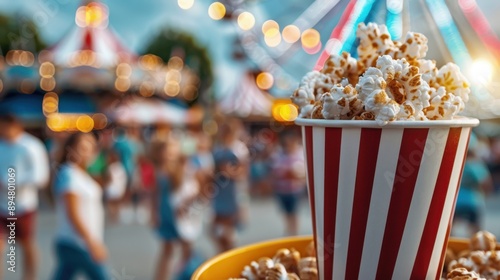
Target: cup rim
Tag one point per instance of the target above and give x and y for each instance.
(458, 121)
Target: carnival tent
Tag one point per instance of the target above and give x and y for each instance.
(247, 100)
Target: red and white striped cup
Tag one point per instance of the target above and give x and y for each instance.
(382, 198)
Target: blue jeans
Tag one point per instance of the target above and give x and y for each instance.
(72, 260)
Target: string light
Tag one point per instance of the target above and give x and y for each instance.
(48, 84)
(176, 63)
(216, 11)
(270, 25)
(47, 70)
(246, 20)
(100, 121)
(291, 34)
(185, 4)
(264, 80)
(273, 41)
(84, 123)
(310, 38)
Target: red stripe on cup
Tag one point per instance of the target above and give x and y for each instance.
(410, 157)
(457, 187)
(333, 139)
(365, 174)
(429, 234)
(310, 175)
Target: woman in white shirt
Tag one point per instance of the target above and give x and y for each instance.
(80, 215)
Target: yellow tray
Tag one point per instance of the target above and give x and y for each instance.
(231, 263)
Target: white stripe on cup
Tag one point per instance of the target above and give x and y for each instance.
(318, 138)
(387, 160)
(349, 150)
(421, 201)
(448, 206)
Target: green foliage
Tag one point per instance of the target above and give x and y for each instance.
(19, 33)
(175, 43)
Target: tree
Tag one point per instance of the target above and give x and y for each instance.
(174, 43)
(19, 34)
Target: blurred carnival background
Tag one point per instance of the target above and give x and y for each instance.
(174, 117)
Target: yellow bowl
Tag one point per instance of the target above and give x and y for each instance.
(231, 263)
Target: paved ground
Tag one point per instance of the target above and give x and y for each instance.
(133, 248)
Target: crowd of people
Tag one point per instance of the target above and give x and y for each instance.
(164, 178)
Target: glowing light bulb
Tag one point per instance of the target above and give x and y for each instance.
(217, 10)
(246, 21)
(291, 34)
(310, 38)
(264, 80)
(185, 4)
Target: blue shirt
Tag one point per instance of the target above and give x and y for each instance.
(224, 199)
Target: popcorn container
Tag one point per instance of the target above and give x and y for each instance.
(382, 197)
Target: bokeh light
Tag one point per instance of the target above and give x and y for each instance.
(185, 4)
(146, 89)
(123, 70)
(288, 112)
(92, 15)
(270, 26)
(264, 80)
(122, 84)
(84, 123)
(172, 88)
(173, 75)
(56, 122)
(284, 111)
(47, 84)
(150, 62)
(50, 103)
(175, 63)
(246, 21)
(47, 70)
(313, 50)
(310, 39)
(273, 41)
(481, 71)
(100, 121)
(19, 57)
(291, 33)
(216, 10)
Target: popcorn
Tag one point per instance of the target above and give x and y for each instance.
(257, 270)
(278, 272)
(390, 81)
(414, 46)
(463, 274)
(343, 66)
(450, 77)
(483, 259)
(341, 103)
(384, 108)
(443, 105)
(288, 258)
(374, 40)
(312, 85)
(309, 273)
(483, 240)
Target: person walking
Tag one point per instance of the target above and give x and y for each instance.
(289, 179)
(25, 159)
(173, 197)
(79, 244)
